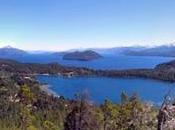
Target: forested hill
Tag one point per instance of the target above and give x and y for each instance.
(35, 68)
(164, 71)
(87, 55)
(169, 66)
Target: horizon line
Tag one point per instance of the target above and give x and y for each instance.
(88, 48)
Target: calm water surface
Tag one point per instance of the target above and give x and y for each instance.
(108, 62)
(100, 88)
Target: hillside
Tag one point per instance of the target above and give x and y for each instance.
(9, 51)
(12, 53)
(160, 72)
(169, 66)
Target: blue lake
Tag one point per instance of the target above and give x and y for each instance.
(100, 88)
(108, 62)
(119, 62)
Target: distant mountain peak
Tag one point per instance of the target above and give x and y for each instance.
(8, 47)
(172, 44)
(11, 53)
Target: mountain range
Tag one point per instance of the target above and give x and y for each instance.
(9, 52)
(166, 51)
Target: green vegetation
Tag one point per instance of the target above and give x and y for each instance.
(82, 56)
(24, 106)
(165, 72)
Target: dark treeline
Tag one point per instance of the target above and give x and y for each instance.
(161, 72)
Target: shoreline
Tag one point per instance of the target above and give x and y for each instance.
(164, 71)
(46, 88)
(114, 77)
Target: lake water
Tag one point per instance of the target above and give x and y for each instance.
(100, 88)
(119, 62)
(108, 62)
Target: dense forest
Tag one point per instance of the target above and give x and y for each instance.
(25, 106)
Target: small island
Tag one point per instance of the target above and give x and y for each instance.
(87, 55)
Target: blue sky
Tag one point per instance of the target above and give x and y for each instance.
(66, 24)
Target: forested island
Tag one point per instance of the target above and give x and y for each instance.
(87, 55)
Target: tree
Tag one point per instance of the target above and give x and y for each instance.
(26, 99)
(166, 116)
(110, 112)
(26, 95)
(48, 125)
(81, 117)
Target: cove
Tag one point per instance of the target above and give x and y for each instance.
(101, 88)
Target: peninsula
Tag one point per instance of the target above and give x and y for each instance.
(165, 71)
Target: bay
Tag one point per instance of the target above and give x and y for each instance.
(107, 62)
(101, 88)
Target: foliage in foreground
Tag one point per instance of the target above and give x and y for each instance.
(24, 106)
